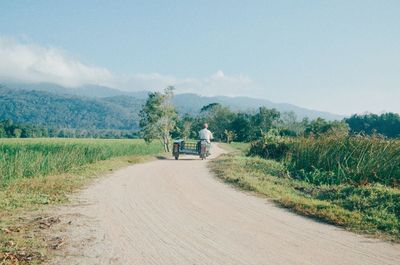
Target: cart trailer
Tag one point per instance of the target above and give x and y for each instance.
(189, 148)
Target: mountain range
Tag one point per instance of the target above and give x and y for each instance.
(99, 107)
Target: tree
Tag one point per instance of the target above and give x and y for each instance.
(186, 129)
(158, 117)
(288, 125)
(183, 128)
(2, 132)
(266, 118)
(219, 119)
(229, 136)
(320, 126)
(17, 133)
(242, 127)
(209, 107)
(387, 124)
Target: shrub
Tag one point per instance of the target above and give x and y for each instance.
(271, 146)
(343, 159)
(334, 158)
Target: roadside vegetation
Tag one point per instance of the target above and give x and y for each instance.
(238, 148)
(334, 158)
(28, 158)
(36, 173)
(349, 181)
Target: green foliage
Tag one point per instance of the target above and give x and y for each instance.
(184, 128)
(236, 147)
(344, 159)
(289, 126)
(334, 158)
(41, 157)
(379, 203)
(266, 118)
(229, 136)
(9, 129)
(229, 126)
(271, 145)
(209, 107)
(219, 119)
(387, 124)
(320, 127)
(243, 127)
(329, 156)
(248, 127)
(158, 117)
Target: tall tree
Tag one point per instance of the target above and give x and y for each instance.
(218, 117)
(243, 128)
(158, 117)
(266, 118)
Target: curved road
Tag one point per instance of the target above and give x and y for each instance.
(176, 212)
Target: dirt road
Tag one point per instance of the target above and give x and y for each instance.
(175, 212)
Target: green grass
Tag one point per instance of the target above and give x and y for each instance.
(237, 147)
(36, 173)
(27, 158)
(354, 160)
(371, 209)
(336, 159)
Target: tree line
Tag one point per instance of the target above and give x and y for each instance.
(10, 129)
(160, 120)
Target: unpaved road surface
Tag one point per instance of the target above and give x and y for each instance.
(176, 212)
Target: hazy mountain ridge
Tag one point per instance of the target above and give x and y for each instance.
(192, 103)
(107, 108)
(66, 111)
(95, 91)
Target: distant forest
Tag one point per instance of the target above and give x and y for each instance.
(387, 124)
(227, 126)
(9, 129)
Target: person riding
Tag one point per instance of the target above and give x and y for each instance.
(206, 135)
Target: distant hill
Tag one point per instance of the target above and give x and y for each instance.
(97, 107)
(192, 103)
(67, 111)
(186, 103)
(86, 90)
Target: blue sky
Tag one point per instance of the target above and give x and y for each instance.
(338, 56)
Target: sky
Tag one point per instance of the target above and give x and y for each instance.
(337, 56)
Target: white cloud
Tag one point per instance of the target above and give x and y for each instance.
(32, 63)
(231, 85)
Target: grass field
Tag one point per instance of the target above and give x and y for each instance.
(353, 160)
(36, 173)
(236, 147)
(27, 158)
(335, 159)
(371, 208)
